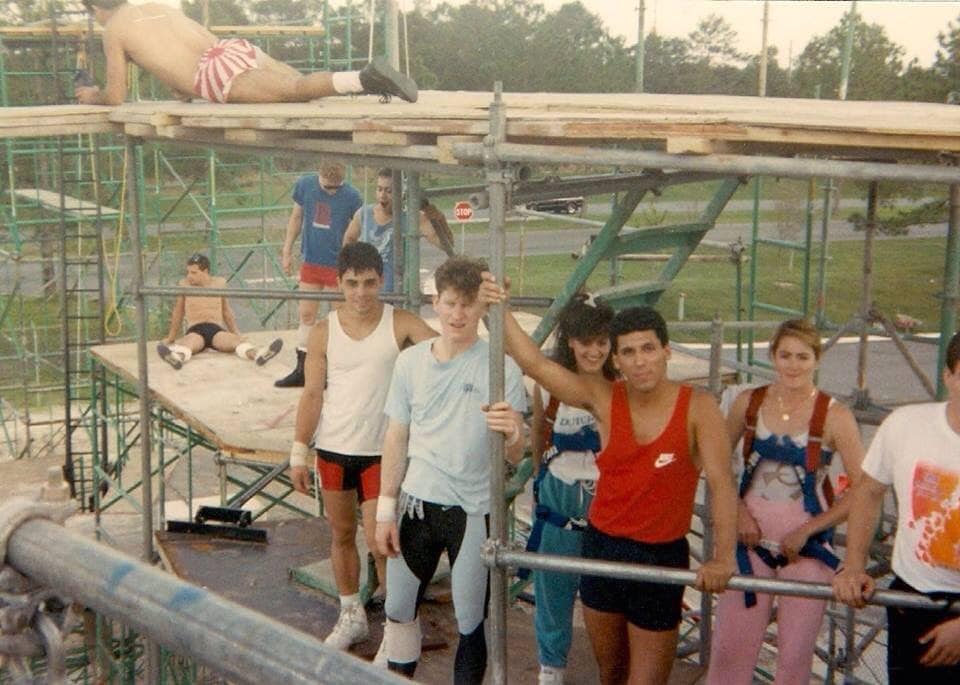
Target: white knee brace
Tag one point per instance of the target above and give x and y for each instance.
(242, 350)
(403, 641)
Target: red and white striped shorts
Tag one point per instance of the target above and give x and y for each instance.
(220, 64)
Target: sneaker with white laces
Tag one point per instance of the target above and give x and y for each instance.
(351, 628)
(550, 675)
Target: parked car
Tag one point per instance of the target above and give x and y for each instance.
(558, 205)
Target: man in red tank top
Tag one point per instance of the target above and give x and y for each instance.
(657, 437)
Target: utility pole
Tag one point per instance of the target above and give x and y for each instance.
(205, 16)
(641, 48)
(847, 52)
(762, 72)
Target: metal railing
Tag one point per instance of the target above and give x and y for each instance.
(243, 645)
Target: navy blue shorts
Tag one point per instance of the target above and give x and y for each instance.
(651, 606)
(207, 331)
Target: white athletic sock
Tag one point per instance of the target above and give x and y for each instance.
(303, 334)
(183, 351)
(345, 82)
(348, 601)
(242, 350)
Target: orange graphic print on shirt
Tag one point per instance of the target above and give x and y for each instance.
(936, 512)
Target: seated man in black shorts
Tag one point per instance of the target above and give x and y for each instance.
(210, 322)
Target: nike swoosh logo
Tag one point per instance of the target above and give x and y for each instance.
(664, 459)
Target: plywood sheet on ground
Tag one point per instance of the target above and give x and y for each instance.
(257, 576)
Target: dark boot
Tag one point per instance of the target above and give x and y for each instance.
(470, 663)
(295, 378)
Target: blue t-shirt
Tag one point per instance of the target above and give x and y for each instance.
(325, 218)
(381, 237)
(448, 448)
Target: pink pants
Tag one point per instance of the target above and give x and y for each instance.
(738, 631)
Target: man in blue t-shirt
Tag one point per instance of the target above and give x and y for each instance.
(373, 223)
(323, 207)
(437, 445)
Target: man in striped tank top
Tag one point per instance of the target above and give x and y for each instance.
(656, 437)
(349, 363)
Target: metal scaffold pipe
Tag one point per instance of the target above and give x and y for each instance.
(671, 576)
(241, 644)
(785, 167)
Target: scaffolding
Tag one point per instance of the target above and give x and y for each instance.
(504, 169)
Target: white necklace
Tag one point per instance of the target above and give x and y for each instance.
(785, 412)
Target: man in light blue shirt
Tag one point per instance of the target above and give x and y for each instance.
(437, 446)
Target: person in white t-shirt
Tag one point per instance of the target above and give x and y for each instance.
(917, 451)
(348, 369)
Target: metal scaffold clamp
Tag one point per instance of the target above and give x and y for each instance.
(33, 619)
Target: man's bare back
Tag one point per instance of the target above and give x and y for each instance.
(171, 46)
(161, 40)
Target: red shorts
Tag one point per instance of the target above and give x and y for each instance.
(314, 274)
(349, 472)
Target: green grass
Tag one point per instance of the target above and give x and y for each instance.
(908, 286)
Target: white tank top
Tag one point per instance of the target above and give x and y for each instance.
(358, 377)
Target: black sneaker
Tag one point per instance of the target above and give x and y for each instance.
(379, 78)
(169, 356)
(268, 353)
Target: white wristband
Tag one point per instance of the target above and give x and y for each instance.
(514, 437)
(386, 509)
(299, 454)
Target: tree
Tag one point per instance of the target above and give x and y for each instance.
(947, 63)
(470, 46)
(713, 42)
(222, 12)
(875, 67)
(571, 51)
(664, 61)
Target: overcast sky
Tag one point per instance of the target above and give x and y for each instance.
(913, 25)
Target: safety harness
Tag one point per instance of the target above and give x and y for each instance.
(807, 462)
(556, 443)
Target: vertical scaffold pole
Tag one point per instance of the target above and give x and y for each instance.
(497, 189)
(411, 243)
(951, 285)
(866, 296)
(134, 225)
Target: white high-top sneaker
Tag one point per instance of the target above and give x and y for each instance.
(351, 628)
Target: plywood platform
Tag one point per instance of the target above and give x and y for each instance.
(232, 402)
(427, 130)
(228, 400)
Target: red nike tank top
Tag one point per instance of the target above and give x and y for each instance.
(645, 492)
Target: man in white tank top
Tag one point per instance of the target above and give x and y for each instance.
(350, 357)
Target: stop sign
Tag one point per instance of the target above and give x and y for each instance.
(463, 211)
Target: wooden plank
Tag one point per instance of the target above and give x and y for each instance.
(74, 205)
(445, 147)
(677, 122)
(140, 130)
(683, 145)
(391, 138)
(247, 135)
